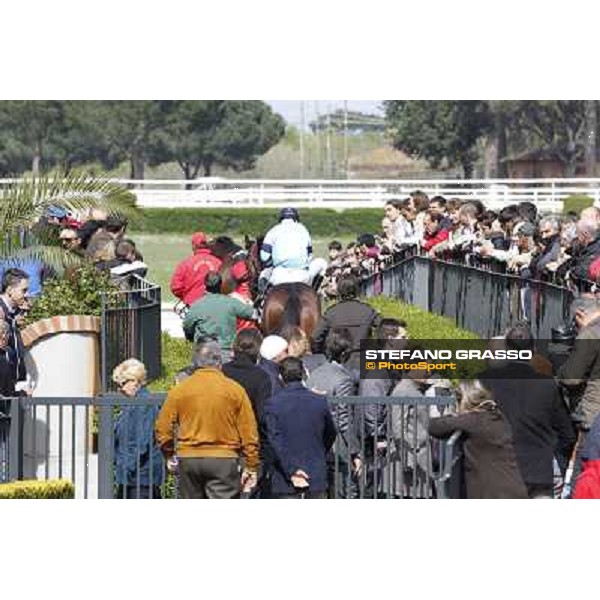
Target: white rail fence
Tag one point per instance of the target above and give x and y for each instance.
(547, 194)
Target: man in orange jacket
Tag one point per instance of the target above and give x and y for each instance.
(187, 282)
(216, 427)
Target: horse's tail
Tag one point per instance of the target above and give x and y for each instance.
(293, 307)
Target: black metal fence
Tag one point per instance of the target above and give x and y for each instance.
(131, 328)
(82, 439)
(480, 300)
(4, 440)
(383, 449)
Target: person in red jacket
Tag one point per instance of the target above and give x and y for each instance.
(187, 282)
(434, 234)
(588, 483)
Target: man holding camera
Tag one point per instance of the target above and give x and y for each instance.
(580, 374)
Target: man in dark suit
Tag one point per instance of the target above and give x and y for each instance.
(301, 431)
(540, 423)
(13, 302)
(247, 373)
(257, 383)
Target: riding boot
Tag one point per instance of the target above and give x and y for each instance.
(317, 281)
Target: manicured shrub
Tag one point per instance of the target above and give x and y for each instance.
(440, 332)
(77, 294)
(321, 222)
(421, 324)
(57, 489)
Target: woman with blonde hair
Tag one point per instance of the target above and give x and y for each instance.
(491, 469)
(139, 468)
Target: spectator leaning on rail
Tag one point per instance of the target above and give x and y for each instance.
(334, 269)
(403, 232)
(187, 282)
(215, 315)
(287, 251)
(491, 469)
(585, 256)
(216, 427)
(418, 203)
(437, 205)
(139, 466)
(433, 234)
(301, 431)
(550, 240)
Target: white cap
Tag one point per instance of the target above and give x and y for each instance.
(272, 346)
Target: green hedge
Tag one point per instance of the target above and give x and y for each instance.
(427, 326)
(61, 489)
(421, 324)
(321, 222)
(576, 203)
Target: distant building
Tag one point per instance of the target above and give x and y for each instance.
(542, 164)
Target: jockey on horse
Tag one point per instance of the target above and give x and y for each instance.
(286, 253)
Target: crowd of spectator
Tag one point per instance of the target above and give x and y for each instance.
(272, 421)
(516, 239)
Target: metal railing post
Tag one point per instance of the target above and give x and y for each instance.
(103, 352)
(421, 290)
(15, 443)
(106, 452)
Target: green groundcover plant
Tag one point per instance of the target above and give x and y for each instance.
(58, 489)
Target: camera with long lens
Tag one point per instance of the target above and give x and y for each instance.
(565, 334)
(559, 350)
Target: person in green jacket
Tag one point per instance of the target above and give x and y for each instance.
(214, 315)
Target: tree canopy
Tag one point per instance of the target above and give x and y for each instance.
(439, 130)
(42, 135)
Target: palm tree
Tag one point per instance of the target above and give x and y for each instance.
(24, 202)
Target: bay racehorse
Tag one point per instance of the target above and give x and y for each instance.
(291, 304)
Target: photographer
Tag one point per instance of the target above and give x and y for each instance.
(580, 374)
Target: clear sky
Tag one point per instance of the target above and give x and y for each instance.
(291, 110)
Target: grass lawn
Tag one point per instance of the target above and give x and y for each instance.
(163, 251)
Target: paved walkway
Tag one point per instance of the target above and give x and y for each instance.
(169, 321)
